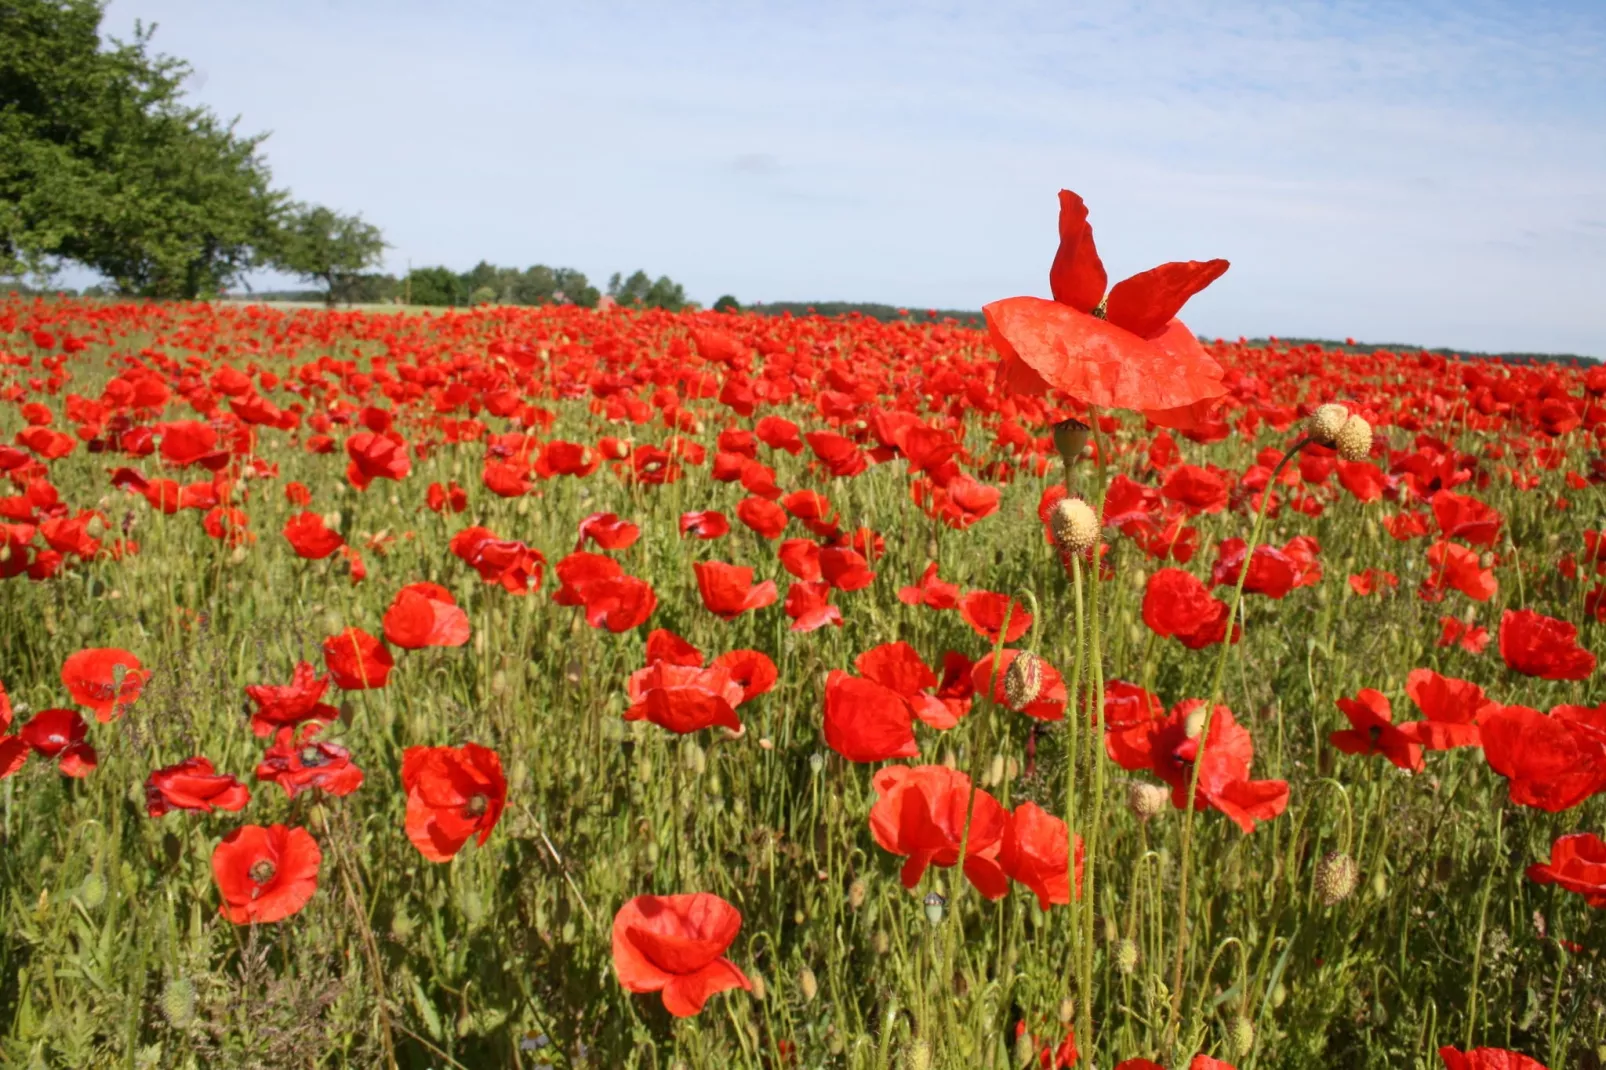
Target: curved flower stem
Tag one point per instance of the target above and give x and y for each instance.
(1233, 616)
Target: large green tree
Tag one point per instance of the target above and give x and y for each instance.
(642, 291)
(328, 247)
(103, 163)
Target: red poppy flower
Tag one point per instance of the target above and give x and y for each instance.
(1452, 708)
(287, 705)
(1471, 638)
(106, 681)
(60, 733)
(298, 761)
(453, 793)
(1460, 568)
(762, 516)
(675, 944)
(1135, 355)
(1271, 571)
(1373, 580)
(310, 538)
(193, 784)
(376, 456)
(930, 591)
(13, 749)
(1198, 490)
(1537, 645)
(1372, 731)
(845, 569)
(684, 698)
(920, 815)
(779, 433)
(866, 721)
(1487, 1059)
(517, 567)
(1461, 517)
(1175, 603)
(1578, 864)
(728, 590)
(440, 499)
(425, 614)
(1034, 851)
(265, 874)
(708, 524)
(1552, 763)
(357, 661)
(989, 614)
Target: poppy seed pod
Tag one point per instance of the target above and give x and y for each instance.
(1146, 800)
(1070, 438)
(1354, 439)
(1336, 876)
(1023, 680)
(1074, 525)
(1326, 422)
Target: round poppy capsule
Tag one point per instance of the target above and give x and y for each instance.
(1326, 422)
(1074, 525)
(1354, 439)
(1336, 876)
(1070, 439)
(1023, 680)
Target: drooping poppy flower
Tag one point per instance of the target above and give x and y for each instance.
(866, 721)
(675, 945)
(298, 760)
(425, 615)
(990, 614)
(920, 815)
(1035, 851)
(288, 705)
(1176, 603)
(1372, 731)
(1552, 763)
(106, 681)
(1536, 645)
(1125, 350)
(193, 784)
(1451, 707)
(265, 874)
(357, 661)
(1578, 864)
(1487, 1059)
(728, 590)
(453, 794)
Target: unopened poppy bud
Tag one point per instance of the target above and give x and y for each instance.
(1146, 800)
(1025, 1048)
(919, 1055)
(402, 925)
(856, 893)
(92, 893)
(1126, 955)
(1325, 423)
(1278, 994)
(1354, 439)
(1242, 1035)
(178, 1003)
(1023, 680)
(760, 989)
(816, 762)
(1070, 439)
(499, 683)
(880, 943)
(808, 985)
(1067, 1011)
(1380, 885)
(1336, 876)
(995, 771)
(95, 528)
(1074, 525)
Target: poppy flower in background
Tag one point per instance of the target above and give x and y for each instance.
(1463, 517)
(608, 532)
(1487, 1059)
(310, 538)
(708, 524)
(930, 591)
(193, 784)
(990, 615)
(424, 615)
(1536, 645)
(728, 590)
(920, 815)
(1176, 603)
(105, 681)
(1451, 707)
(61, 734)
(357, 661)
(1033, 852)
(1372, 731)
(1469, 637)
(265, 874)
(1372, 581)
(441, 499)
(376, 456)
(1551, 763)
(1578, 864)
(1125, 350)
(675, 945)
(288, 705)
(518, 568)
(299, 760)
(762, 516)
(14, 749)
(1461, 569)
(453, 794)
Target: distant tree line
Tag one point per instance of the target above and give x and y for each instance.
(884, 313)
(488, 284)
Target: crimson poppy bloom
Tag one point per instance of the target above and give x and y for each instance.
(357, 661)
(762, 516)
(1469, 637)
(1552, 763)
(728, 590)
(1033, 852)
(1578, 864)
(1271, 571)
(298, 761)
(60, 734)
(866, 721)
(1487, 1059)
(193, 784)
(684, 698)
(425, 614)
(376, 456)
(14, 749)
(809, 606)
(1176, 603)
(1461, 517)
(265, 874)
(310, 538)
(675, 945)
(453, 793)
(1372, 580)
(990, 614)
(1125, 350)
(517, 567)
(930, 591)
(898, 668)
(106, 681)
(1372, 731)
(920, 815)
(1451, 707)
(1537, 645)
(845, 569)
(708, 524)
(286, 705)
(1460, 568)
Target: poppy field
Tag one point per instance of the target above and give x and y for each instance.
(560, 687)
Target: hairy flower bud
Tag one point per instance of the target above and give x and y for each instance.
(1023, 680)
(1336, 876)
(808, 985)
(1354, 439)
(1242, 1035)
(1074, 525)
(1126, 955)
(1146, 800)
(1325, 423)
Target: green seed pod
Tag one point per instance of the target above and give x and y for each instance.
(1025, 1050)
(935, 905)
(759, 988)
(1279, 994)
(918, 1055)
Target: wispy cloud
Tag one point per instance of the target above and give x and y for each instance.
(1416, 171)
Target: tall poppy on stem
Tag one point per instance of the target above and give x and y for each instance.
(265, 874)
(453, 794)
(675, 945)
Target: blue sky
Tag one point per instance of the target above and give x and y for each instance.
(1410, 171)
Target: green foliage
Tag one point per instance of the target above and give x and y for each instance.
(727, 303)
(884, 313)
(102, 163)
(320, 244)
(434, 286)
(641, 291)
